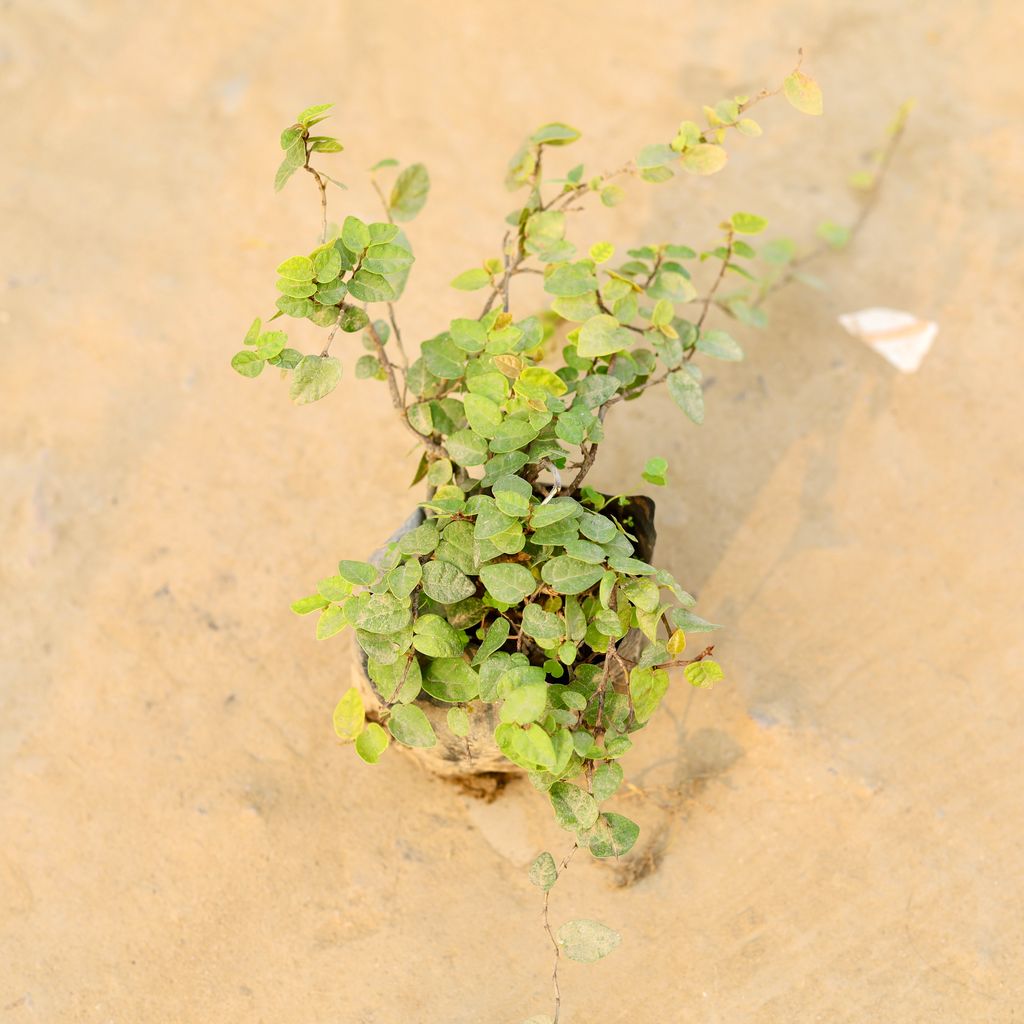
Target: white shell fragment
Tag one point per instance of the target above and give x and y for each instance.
(901, 338)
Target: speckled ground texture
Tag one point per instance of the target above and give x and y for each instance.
(837, 828)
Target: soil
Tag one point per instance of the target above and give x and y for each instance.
(832, 834)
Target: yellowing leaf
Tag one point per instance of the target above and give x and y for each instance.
(803, 92)
(704, 158)
(349, 716)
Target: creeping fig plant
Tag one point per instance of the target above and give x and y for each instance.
(515, 593)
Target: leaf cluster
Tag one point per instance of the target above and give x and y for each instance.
(512, 593)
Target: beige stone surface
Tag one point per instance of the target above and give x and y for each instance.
(838, 827)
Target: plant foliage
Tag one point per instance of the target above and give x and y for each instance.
(516, 593)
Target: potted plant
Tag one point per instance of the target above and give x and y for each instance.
(518, 620)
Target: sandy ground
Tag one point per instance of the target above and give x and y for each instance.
(838, 828)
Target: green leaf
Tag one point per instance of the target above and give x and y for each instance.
(703, 674)
(252, 335)
(555, 511)
(555, 134)
(612, 195)
(332, 620)
(512, 495)
(672, 286)
(409, 192)
(435, 638)
(298, 268)
(367, 366)
(720, 345)
(349, 715)
(370, 287)
(685, 620)
(383, 613)
(440, 472)
(313, 603)
(311, 113)
(355, 234)
(748, 126)
(483, 413)
(535, 381)
(468, 335)
(568, 575)
(458, 721)
(602, 335)
(543, 871)
(296, 289)
(324, 144)
(327, 264)
(444, 358)
(331, 294)
(655, 471)
(647, 686)
(334, 588)
(513, 433)
(574, 807)
(298, 308)
(803, 92)
(410, 727)
(446, 584)
(371, 743)
(662, 313)
(704, 158)
(387, 258)
(656, 175)
(570, 279)
(382, 232)
(508, 582)
(288, 359)
(467, 448)
(451, 680)
(587, 941)
(420, 541)
(294, 158)
(607, 779)
(655, 155)
(496, 635)
(471, 280)
(399, 680)
(613, 836)
(531, 748)
(748, 223)
(271, 344)
(525, 704)
(405, 578)
(687, 394)
(361, 573)
(313, 378)
(597, 528)
(247, 363)
(542, 625)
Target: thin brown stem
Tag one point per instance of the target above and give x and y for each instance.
(589, 455)
(322, 185)
(401, 349)
(551, 935)
(753, 101)
(729, 239)
(433, 447)
(330, 337)
(383, 199)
